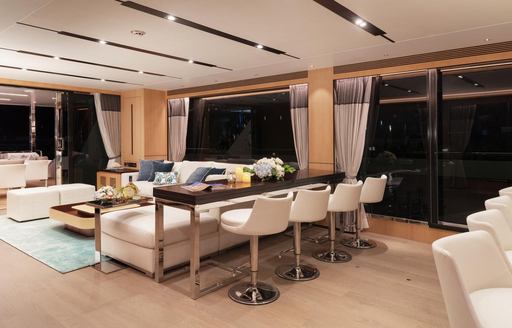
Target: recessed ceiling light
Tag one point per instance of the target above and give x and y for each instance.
(13, 94)
(34, 102)
(410, 91)
(386, 84)
(5, 99)
(102, 80)
(360, 22)
(259, 46)
(460, 77)
(28, 90)
(476, 84)
(190, 61)
(53, 98)
(487, 39)
(171, 18)
(56, 57)
(102, 41)
(23, 69)
(138, 32)
(141, 72)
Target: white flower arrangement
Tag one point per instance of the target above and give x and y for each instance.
(272, 168)
(111, 193)
(106, 192)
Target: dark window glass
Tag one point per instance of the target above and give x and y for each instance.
(240, 128)
(14, 128)
(475, 140)
(45, 131)
(397, 146)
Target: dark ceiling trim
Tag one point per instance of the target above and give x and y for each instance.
(88, 63)
(247, 82)
(65, 74)
(204, 28)
(127, 47)
(352, 17)
(484, 49)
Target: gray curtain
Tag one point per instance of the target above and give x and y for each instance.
(299, 115)
(108, 113)
(352, 98)
(178, 121)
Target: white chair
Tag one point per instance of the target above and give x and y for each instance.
(344, 199)
(503, 204)
(495, 224)
(12, 176)
(37, 170)
(506, 191)
(476, 280)
(373, 192)
(309, 206)
(268, 216)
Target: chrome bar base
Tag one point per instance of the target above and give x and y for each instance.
(246, 293)
(302, 272)
(359, 243)
(335, 256)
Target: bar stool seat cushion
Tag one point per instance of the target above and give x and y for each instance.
(236, 218)
(492, 306)
(137, 226)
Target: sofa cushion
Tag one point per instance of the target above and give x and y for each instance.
(146, 169)
(492, 306)
(160, 167)
(145, 188)
(186, 168)
(235, 218)
(137, 226)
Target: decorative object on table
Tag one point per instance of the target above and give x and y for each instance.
(164, 178)
(108, 195)
(239, 173)
(246, 177)
(271, 169)
(197, 186)
(231, 177)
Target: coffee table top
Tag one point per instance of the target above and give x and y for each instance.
(104, 204)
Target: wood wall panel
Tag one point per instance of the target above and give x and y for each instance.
(155, 124)
(320, 117)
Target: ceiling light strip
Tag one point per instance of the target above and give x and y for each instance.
(65, 74)
(88, 63)
(353, 18)
(203, 28)
(127, 47)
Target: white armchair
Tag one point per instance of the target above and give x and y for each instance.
(12, 176)
(37, 170)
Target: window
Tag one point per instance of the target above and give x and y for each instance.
(396, 145)
(45, 131)
(14, 128)
(240, 128)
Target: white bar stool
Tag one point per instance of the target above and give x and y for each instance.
(344, 199)
(268, 216)
(309, 206)
(373, 192)
(503, 204)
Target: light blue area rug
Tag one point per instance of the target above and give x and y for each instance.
(49, 242)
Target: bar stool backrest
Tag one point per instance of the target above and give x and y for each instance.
(506, 191)
(345, 197)
(495, 224)
(268, 216)
(373, 189)
(459, 261)
(310, 205)
(503, 204)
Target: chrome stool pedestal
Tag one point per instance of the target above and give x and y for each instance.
(297, 271)
(332, 255)
(253, 292)
(357, 242)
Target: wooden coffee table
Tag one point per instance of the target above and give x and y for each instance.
(79, 217)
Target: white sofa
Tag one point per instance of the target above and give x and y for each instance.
(37, 170)
(34, 203)
(183, 169)
(12, 176)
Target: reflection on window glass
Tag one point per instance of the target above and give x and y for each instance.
(240, 128)
(475, 141)
(396, 146)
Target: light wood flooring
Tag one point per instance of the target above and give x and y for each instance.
(394, 285)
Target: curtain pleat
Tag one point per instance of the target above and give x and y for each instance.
(178, 122)
(351, 105)
(108, 113)
(299, 117)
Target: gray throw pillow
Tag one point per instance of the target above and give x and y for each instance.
(146, 169)
(160, 167)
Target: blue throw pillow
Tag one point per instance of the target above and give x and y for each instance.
(198, 175)
(216, 171)
(160, 167)
(146, 169)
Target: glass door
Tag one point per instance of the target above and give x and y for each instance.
(397, 145)
(474, 140)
